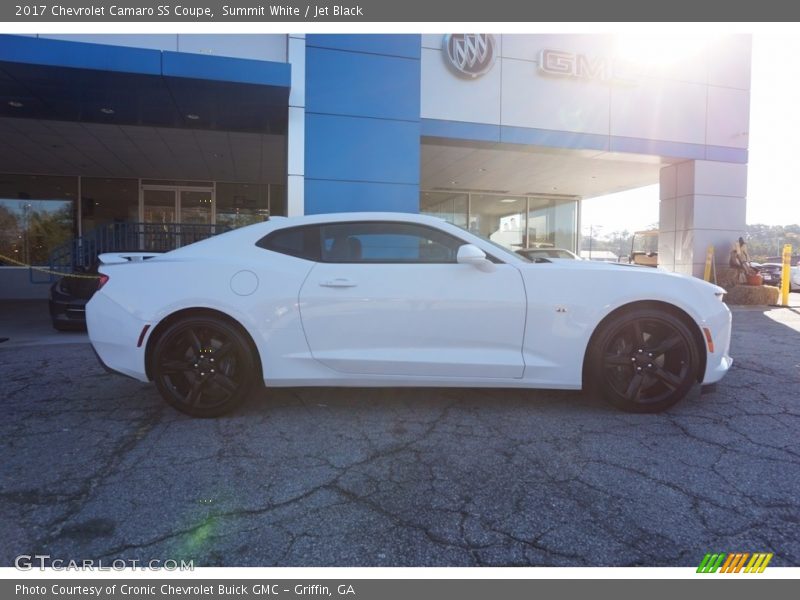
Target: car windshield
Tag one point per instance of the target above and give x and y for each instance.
(504, 252)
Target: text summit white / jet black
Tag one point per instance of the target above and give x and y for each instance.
(385, 299)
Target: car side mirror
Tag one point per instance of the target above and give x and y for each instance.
(472, 255)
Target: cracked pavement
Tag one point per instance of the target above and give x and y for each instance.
(97, 466)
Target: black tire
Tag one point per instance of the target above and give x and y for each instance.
(203, 366)
(644, 361)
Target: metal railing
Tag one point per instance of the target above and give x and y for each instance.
(81, 253)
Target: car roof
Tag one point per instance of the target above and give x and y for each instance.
(258, 230)
(344, 217)
(252, 233)
(275, 223)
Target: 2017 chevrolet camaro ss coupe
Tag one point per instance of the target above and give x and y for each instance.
(383, 299)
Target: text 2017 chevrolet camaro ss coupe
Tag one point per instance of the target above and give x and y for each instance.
(383, 299)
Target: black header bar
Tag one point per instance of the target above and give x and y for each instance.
(368, 11)
(733, 588)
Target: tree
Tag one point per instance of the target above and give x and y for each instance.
(767, 241)
(10, 232)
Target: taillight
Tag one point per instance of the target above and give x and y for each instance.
(101, 281)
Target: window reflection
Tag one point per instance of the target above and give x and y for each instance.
(514, 222)
(240, 204)
(451, 207)
(500, 218)
(552, 223)
(36, 215)
(106, 200)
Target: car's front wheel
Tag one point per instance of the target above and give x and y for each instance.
(203, 366)
(644, 361)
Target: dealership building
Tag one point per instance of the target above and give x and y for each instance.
(504, 135)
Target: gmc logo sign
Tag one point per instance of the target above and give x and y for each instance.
(580, 66)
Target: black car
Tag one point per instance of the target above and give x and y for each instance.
(771, 273)
(68, 298)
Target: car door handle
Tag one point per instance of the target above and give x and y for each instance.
(338, 283)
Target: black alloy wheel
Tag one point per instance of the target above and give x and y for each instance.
(645, 361)
(203, 366)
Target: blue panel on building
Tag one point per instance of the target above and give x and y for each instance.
(723, 154)
(99, 57)
(483, 132)
(71, 94)
(460, 130)
(362, 149)
(324, 196)
(393, 45)
(350, 83)
(76, 81)
(362, 128)
(657, 147)
(221, 68)
(552, 138)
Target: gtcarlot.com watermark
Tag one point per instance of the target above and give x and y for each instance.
(29, 562)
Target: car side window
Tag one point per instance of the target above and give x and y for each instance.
(302, 242)
(387, 242)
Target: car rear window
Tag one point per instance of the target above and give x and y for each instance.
(302, 242)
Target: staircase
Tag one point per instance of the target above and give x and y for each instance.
(81, 253)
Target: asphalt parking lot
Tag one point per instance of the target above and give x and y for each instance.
(96, 466)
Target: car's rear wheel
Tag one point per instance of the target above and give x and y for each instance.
(645, 360)
(203, 366)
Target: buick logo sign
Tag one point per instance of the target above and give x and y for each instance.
(470, 55)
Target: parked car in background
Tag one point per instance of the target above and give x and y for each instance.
(68, 298)
(543, 254)
(69, 295)
(770, 272)
(794, 280)
(394, 299)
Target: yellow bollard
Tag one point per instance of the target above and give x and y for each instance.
(786, 274)
(709, 260)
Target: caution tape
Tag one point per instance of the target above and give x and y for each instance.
(48, 271)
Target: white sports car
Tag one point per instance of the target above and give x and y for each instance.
(384, 299)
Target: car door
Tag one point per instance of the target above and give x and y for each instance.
(389, 298)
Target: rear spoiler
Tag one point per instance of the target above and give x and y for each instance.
(118, 258)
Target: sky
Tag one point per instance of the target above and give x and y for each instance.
(773, 189)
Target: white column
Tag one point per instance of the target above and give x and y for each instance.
(703, 203)
(296, 133)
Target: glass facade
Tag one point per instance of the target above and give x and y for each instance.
(452, 207)
(37, 213)
(553, 222)
(512, 221)
(240, 204)
(108, 201)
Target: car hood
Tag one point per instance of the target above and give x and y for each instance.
(584, 266)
